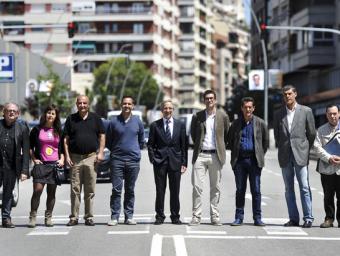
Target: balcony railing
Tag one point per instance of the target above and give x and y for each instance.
(124, 10)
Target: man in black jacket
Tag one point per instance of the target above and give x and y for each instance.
(14, 158)
(248, 141)
(167, 148)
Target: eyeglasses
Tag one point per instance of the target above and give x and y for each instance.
(11, 110)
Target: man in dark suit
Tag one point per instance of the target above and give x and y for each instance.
(294, 132)
(167, 148)
(14, 157)
(248, 140)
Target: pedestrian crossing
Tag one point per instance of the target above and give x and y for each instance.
(273, 230)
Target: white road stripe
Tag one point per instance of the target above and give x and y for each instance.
(180, 247)
(156, 245)
(49, 231)
(193, 230)
(266, 237)
(128, 232)
(249, 197)
(295, 231)
(321, 193)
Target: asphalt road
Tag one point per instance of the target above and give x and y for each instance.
(168, 239)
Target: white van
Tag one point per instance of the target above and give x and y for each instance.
(113, 113)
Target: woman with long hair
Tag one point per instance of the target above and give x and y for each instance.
(46, 149)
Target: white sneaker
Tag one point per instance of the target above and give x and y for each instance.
(112, 223)
(195, 221)
(130, 222)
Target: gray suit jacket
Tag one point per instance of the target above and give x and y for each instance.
(299, 140)
(198, 127)
(261, 140)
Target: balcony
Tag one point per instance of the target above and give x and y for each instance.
(316, 15)
(313, 57)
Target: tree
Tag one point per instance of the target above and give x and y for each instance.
(59, 95)
(121, 67)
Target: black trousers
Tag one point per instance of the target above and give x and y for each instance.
(331, 186)
(161, 172)
(7, 181)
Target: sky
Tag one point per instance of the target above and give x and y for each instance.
(247, 10)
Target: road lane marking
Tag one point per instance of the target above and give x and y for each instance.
(156, 245)
(49, 231)
(180, 247)
(191, 230)
(266, 237)
(274, 221)
(321, 193)
(295, 231)
(128, 232)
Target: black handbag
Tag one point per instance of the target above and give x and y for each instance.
(59, 173)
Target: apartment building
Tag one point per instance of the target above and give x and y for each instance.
(232, 42)
(309, 60)
(196, 53)
(147, 30)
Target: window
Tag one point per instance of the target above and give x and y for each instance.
(138, 28)
(58, 8)
(114, 27)
(83, 27)
(114, 8)
(106, 28)
(137, 7)
(37, 8)
(187, 45)
(106, 48)
(138, 47)
(84, 67)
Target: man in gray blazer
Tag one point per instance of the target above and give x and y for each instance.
(209, 130)
(248, 141)
(294, 132)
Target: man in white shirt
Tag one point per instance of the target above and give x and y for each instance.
(209, 129)
(294, 132)
(329, 164)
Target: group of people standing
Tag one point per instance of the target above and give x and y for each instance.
(81, 144)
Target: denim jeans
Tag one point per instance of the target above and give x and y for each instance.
(301, 173)
(127, 172)
(244, 168)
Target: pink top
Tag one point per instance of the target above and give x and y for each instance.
(48, 144)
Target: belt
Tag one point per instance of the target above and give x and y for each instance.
(208, 151)
(85, 155)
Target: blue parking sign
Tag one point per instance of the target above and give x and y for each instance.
(7, 68)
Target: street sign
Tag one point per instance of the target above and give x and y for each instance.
(7, 68)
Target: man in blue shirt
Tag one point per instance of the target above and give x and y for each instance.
(125, 138)
(248, 141)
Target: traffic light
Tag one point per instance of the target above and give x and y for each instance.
(71, 26)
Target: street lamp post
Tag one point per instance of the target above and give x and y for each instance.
(107, 80)
(265, 63)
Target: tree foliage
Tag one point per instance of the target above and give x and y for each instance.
(120, 68)
(58, 95)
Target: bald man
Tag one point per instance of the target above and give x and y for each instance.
(84, 145)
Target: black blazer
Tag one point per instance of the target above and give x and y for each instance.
(21, 147)
(261, 140)
(175, 150)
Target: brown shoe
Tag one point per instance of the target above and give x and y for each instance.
(7, 224)
(327, 224)
(89, 222)
(72, 223)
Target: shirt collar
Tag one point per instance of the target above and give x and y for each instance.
(171, 120)
(293, 109)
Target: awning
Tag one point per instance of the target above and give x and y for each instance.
(83, 46)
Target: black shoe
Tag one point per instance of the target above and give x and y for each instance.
(307, 224)
(291, 223)
(176, 221)
(89, 222)
(8, 224)
(72, 223)
(159, 221)
(259, 222)
(237, 222)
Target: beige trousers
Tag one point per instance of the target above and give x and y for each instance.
(206, 163)
(82, 173)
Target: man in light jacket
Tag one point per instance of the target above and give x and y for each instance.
(329, 164)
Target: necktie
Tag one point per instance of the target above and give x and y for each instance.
(167, 130)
